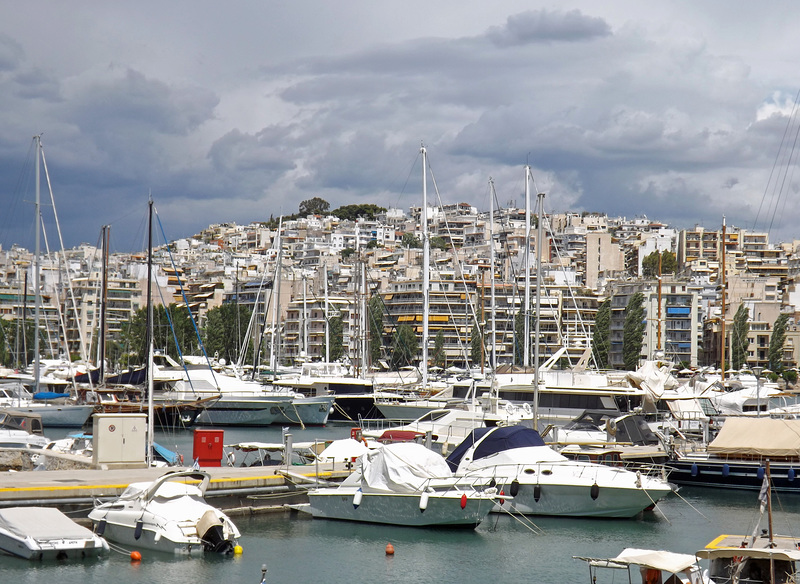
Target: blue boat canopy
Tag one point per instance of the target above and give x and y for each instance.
(45, 395)
(497, 439)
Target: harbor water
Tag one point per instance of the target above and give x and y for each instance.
(295, 548)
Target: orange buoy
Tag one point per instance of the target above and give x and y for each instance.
(389, 549)
(463, 500)
(136, 556)
(502, 501)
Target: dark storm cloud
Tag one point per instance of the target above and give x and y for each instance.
(543, 26)
(243, 112)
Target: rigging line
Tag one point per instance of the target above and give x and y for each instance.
(63, 258)
(777, 158)
(473, 312)
(572, 294)
(188, 308)
(786, 171)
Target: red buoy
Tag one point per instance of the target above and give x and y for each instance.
(136, 556)
(463, 500)
(502, 501)
(389, 549)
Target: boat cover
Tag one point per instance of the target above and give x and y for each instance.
(658, 559)
(404, 467)
(758, 436)
(41, 523)
(496, 439)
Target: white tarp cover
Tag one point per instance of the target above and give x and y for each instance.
(758, 436)
(733, 402)
(404, 467)
(658, 559)
(343, 450)
(41, 523)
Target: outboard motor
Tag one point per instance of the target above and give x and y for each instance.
(212, 532)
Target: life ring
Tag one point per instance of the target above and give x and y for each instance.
(611, 427)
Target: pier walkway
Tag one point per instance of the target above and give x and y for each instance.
(230, 487)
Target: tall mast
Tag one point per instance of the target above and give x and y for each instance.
(724, 308)
(327, 315)
(276, 297)
(493, 352)
(539, 250)
(37, 268)
(150, 424)
(426, 260)
(101, 349)
(526, 352)
(658, 340)
(305, 320)
(363, 318)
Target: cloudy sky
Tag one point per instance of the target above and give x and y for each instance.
(236, 111)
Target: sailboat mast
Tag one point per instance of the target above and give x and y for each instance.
(37, 267)
(539, 246)
(526, 352)
(276, 297)
(149, 336)
(724, 308)
(327, 315)
(493, 353)
(101, 349)
(426, 260)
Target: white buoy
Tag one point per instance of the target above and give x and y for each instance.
(357, 498)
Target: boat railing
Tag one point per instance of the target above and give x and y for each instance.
(505, 473)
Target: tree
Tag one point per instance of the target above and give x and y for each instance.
(336, 337)
(405, 347)
(669, 264)
(315, 206)
(776, 342)
(601, 337)
(476, 346)
(353, 212)
(346, 253)
(438, 243)
(739, 337)
(375, 314)
(410, 240)
(519, 337)
(224, 328)
(439, 356)
(170, 325)
(633, 331)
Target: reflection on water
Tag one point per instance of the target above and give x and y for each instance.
(503, 549)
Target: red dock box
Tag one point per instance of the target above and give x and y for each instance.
(208, 447)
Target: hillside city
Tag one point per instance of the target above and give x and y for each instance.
(327, 261)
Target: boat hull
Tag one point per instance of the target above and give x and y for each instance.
(61, 549)
(125, 535)
(353, 408)
(729, 474)
(577, 501)
(400, 509)
(229, 411)
(60, 416)
(310, 411)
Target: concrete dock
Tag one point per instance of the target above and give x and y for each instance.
(230, 487)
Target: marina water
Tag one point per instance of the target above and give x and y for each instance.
(502, 549)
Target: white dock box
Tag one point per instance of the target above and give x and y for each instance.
(120, 440)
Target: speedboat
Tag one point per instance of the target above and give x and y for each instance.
(544, 482)
(404, 484)
(44, 533)
(169, 515)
